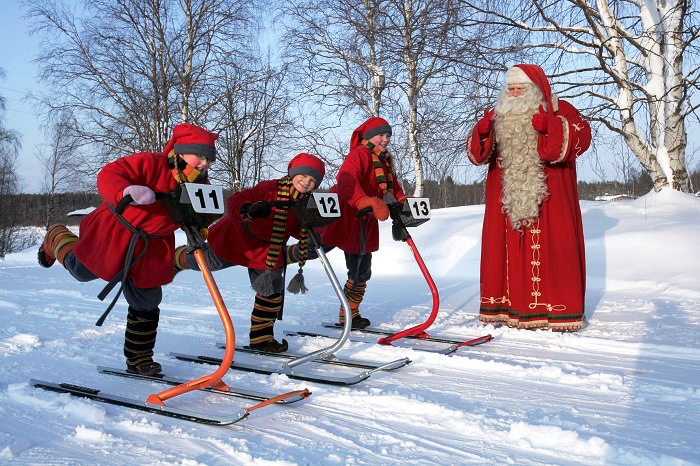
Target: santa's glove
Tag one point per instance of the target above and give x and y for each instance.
(483, 127)
(259, 209)
(379, 208)
(140, 195)
(540, 121)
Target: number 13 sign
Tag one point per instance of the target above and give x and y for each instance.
(420, 207)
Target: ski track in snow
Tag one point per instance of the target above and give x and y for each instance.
(624, 391)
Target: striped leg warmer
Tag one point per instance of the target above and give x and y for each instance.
(58, 243)
(262, 320)
(180, 261)
(140, 336)
(354, 298)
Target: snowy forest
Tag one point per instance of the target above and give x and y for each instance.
(278, 77)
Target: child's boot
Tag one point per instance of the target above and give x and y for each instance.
(139, 341)
(58, 242)
(354, 299)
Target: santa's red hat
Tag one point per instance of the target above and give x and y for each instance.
(523, 73)
(371, 127)
(307, 164)
(191, 139)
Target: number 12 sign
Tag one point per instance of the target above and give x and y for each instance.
(327, 203)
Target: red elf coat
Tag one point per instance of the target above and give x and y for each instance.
(104, 240)
(247, 243)
(356, 179)
(537, 278)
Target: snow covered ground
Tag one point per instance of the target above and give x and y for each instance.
(623, 391)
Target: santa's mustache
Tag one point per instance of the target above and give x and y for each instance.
(531, 99)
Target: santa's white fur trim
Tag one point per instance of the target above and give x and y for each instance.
(516, 75)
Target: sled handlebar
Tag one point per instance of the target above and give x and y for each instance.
(126, 200)
(361, 213)
(281, 203)
(121, 205)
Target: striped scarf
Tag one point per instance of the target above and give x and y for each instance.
(183, 172)
(385, 179)
(285, 192)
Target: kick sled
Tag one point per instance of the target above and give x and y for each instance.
(315, 211)
(192, 206)
(414, 212)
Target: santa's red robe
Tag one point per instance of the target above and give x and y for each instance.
(536, 278)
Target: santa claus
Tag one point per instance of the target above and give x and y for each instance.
(533, 271)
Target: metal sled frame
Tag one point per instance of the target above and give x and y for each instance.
(155, 402)
(400, 233)
(213, 380)
(325, 355)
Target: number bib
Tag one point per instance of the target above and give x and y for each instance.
(415, 211)
(321, 209)
(194, 204)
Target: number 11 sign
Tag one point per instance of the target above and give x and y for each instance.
(206, 198)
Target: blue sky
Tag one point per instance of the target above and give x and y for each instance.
(16, 55)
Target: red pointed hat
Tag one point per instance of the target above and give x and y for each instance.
(191, 139)
(371, 127)
(537, 76)
(307, 164)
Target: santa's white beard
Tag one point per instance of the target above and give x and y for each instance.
(524, 186)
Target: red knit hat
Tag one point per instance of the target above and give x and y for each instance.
(191, 139)
(371, 127)
(307, 164)
(537, 76)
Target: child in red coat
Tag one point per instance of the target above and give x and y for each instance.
(101, 250)
(253, 233)
(366, 179)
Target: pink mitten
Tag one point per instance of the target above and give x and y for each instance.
(140, 195)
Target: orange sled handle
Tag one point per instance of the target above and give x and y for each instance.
(213, 379)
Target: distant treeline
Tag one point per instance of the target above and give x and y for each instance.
(447, 193)
(31, 209)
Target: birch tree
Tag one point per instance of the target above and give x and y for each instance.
(634, 65)
(421, 35)
(338, 64)
(9, 181)
(388, 58)
(60, 160)
(338, 45)
(253, 117)
(130, 70)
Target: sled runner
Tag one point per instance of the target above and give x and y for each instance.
(319, 210)
(414, 212)
(454, 343)
(192, 206)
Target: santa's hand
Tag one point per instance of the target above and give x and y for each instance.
(379, 208)
(140, 195)
(540, 121)
(483, 127)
